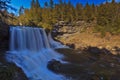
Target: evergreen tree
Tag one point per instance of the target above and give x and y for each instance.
(79, 12)
(113, 1)
(60, 8)
(51, 4)
(33, 4)
(37, 4)
(70, 12)
(60, 2)
(45, 5)
(106, 15)
(21, 10)
(88, 13)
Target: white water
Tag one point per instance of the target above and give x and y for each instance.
(55, 44)
(31, 51)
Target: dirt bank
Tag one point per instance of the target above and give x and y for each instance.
(84, 39)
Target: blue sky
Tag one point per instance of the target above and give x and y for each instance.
(26, 3)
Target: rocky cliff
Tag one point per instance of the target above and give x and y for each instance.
(81, 36)
(4, 37)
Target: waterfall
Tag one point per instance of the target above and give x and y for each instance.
(31, 50)
(55, 44)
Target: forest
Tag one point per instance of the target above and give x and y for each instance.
(106, 16)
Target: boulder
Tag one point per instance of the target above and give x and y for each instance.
(9, 71)
(106, 51)
(94, 50)
(116, 50)
(54, 65)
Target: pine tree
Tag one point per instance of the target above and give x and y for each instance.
(21, 10)
(37, 4)
(51, 4)
(60, 8)
(79, 12)
(45, 5)
(113, 1)
(106, 15)
(60, 2)
(88, 13)
(71, 11)
(32, 4)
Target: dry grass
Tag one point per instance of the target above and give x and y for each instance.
(91, 39)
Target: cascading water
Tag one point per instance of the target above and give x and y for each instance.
(55, 44)
(31, 51)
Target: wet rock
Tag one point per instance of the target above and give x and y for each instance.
(9, 71)
(54, 65)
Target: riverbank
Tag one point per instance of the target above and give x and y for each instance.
(85, 65)
(82, 40)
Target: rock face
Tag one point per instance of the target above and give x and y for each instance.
(82, 40)
(4, 37)
(83, 35)
(67, 27)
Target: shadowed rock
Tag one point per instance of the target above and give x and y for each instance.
(71, 45)
(94, 50)
(54, 65)
(4, 37)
